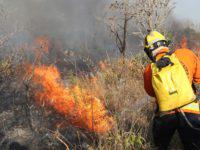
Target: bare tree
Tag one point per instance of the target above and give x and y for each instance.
(151, 15)
(117, 19)
(140, 15)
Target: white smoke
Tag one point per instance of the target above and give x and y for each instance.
(73, 21)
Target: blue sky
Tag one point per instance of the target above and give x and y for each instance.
(188, 9)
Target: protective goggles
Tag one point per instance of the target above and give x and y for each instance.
(158, 44)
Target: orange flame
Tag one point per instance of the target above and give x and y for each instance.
(42, 44)
(78, 105)
(93, 80)
(102, 65)
(184, 43)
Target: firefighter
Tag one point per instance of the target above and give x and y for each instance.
(169, 79)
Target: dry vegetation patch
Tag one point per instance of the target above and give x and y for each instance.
(120, 88)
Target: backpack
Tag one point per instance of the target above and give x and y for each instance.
(171, 85)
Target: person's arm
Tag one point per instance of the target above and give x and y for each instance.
(147, 81)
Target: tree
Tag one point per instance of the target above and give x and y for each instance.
(117, 20)
(124, 16)
(151, 15)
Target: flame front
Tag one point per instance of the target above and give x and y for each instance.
(79, 106)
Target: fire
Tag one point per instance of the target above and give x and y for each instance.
(184, 43)
(42, 44)
(78, 105)
(93, 80)
(102, 65)
(190, 44)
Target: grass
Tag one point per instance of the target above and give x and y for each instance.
(118, 85)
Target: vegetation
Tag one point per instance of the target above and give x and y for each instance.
(29, 119)
(118, 85)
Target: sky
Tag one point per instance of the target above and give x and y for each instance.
(188, 10)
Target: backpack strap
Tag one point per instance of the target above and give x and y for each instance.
(164, 61)
(170, 52)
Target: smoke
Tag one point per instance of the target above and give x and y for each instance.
(73, 21)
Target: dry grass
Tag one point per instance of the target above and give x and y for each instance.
(118, 85)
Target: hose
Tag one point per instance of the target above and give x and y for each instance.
(187, 121)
